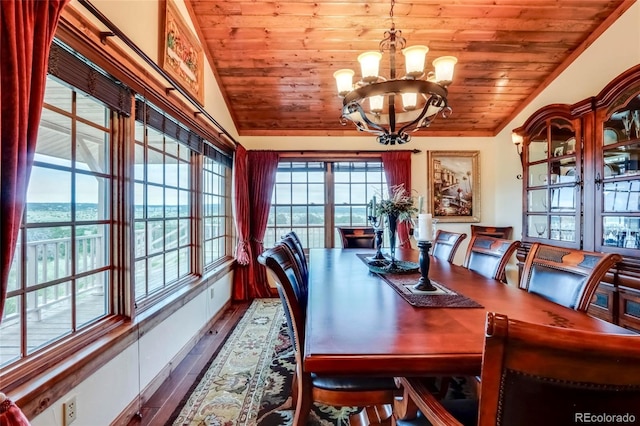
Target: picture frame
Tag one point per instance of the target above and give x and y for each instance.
(454, 185)
(181, 55)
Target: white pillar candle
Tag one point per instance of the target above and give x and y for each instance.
(424, 227)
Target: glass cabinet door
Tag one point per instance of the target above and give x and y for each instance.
(552, 184)
(617, 179)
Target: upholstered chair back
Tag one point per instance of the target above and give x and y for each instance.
(301, 261)
(565, 276)
(537, 374)
(489, 256)
(446, 243)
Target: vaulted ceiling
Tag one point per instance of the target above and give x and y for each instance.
(275, 59)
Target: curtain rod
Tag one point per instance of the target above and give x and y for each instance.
(117, 32)
(323, 152)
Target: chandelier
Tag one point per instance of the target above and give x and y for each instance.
(397, 106)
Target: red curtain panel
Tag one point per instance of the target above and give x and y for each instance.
(27, 28)
(261, 171)
(397, 168)
(242, 220)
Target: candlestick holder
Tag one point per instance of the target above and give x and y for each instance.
(424, 283)
(376, 223)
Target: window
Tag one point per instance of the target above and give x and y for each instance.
(163, 210)
(168, 248)
(313, 197)
(216, 211)
(60, 278)
(89, 182)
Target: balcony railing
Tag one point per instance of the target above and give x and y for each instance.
(49, 308)
(50, 260)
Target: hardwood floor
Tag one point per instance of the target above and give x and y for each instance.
(158, 409)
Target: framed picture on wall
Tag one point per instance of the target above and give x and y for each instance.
(454, 185)
(181, 55)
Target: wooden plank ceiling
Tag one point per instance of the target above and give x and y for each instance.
(275, 59)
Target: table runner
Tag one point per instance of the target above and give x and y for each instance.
(444, 297)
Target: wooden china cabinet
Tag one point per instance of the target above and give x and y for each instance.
(581, 187)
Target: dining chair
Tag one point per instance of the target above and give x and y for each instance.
(357, 237)
(446, 243)
(565, 276)
(375, 393)
(293, 242)
(299, 247)
(489, 256)
(492, 231)
(535, 374)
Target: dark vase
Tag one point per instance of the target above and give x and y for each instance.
(393, 225)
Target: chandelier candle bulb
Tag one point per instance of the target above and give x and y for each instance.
(444, 69)
(424, 227)
(409, 101)
(370, 65)
(376, 103)
(344, 81)
(414, 57)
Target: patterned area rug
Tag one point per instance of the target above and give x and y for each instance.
(249, 381)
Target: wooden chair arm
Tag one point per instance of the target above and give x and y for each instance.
(427, 403)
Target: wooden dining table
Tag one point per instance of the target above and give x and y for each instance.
(358, 324)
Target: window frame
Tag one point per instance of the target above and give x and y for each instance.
(331, 235)
(80, 335)
(167, 286)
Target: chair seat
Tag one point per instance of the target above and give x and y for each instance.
(347, 383)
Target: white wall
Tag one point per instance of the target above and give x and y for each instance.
(104, 395)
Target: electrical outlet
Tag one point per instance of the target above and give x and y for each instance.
(69, 408)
